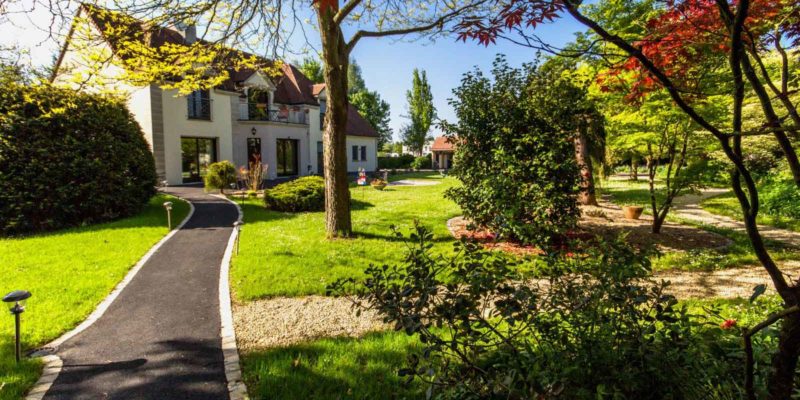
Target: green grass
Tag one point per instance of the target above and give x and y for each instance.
(337, 368)
(68, 273)
(738, 254)
(727, 205)
(285, 254)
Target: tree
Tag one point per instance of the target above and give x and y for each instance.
(312, 69)
(681, 42)
(229, 24)
(421, 113)
(376, 111)
(354, 78)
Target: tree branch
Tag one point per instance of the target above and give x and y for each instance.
(345, 11)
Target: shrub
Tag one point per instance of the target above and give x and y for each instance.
(220, 175)
(422, 163)
(68, 159)
(401, 162)
(303, 194)
(595, 327)
(518, 168)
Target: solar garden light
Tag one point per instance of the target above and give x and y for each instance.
(238, 226)
(16, 301)
(165, 183)
(168, 207)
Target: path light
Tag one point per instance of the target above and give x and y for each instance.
(165, 183)
(168, 207)
(238, 226)
(16, 301)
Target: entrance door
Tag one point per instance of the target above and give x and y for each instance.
(253, 151)
(196, 155)
(287, 157)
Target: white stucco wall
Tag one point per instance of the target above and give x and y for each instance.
(270, 132)
(371, 163)
(177, 124)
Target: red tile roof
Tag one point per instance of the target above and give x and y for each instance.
(442, 143)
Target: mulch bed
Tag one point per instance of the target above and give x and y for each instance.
(606, 221)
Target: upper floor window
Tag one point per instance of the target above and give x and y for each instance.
(355, 153)
(199, 103)
(363, 153)
(322, 115)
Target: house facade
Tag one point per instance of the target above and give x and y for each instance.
(442, 151)
(251, 116)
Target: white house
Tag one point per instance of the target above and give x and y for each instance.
(250, 116)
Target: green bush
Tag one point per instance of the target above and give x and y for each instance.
(401, 162)
(303, 194)
(422, 163)
(594, 326)
(68, 159)
(516, 155)
(780, 196)
(220, 175)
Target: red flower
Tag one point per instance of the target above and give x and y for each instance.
(728, 324)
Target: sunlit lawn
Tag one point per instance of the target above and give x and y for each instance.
(728, 206)
(285, 254)
(68, 273)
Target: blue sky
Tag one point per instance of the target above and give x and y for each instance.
(386, 63)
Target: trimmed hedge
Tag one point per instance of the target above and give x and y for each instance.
(68, 159)
(401, 162)
(424, 162)
(303, 194)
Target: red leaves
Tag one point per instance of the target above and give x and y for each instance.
(333, 5)
(516, 13)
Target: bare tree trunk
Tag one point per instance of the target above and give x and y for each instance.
(634, 169)
(784, 362)
(337, 190)
(587, 194)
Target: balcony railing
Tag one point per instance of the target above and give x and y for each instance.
(199, 108)
(260, 112)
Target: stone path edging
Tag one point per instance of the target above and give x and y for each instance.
(233, 373)
(52, 362)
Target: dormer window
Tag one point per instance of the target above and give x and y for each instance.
(199, 105)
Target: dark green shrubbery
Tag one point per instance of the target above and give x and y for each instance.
(594, 326)
(403, 161)
(518, 168)
(68, 159)
(779, 194)
(220, 175)
(303, 194)
(423, 162)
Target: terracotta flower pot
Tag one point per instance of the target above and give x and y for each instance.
(379, 186)
(632, 212)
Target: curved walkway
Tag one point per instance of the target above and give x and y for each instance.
(160, 338)
(688, 207)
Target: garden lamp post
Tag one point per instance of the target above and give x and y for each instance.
(16, 301)
(168, 207)
(238, 226)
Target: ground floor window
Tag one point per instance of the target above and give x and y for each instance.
(363, 153)
(355, 153)
(287, 157)
(253, 150)
(196, 155)
(320, 159)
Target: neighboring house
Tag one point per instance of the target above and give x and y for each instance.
(250, 116)
(426, 149)
(442, 151)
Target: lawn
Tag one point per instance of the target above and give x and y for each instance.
(336, 368)
(727, 205)
(285, 254)
(68, 273)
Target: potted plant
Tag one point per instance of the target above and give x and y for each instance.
(378, 183)
(632, 211)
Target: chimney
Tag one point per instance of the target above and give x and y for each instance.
(188, 31)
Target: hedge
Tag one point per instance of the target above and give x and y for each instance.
(401, 162)
(68, 159)
(303, 194)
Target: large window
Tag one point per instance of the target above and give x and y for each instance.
(196, 155)
(199, 103)
(253, 150)
(287, 157)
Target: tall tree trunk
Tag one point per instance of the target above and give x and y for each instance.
(634, 168)
(334, 139)
(587, 194)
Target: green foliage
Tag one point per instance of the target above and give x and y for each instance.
(68, 159)
(312, 69)
(220, 175)
(423, 162)
(596, 326)
(401, 162)
(421, 112)
(780, 196)
(376, 111)
(355, 82)
(303, 194)
(518, 168)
